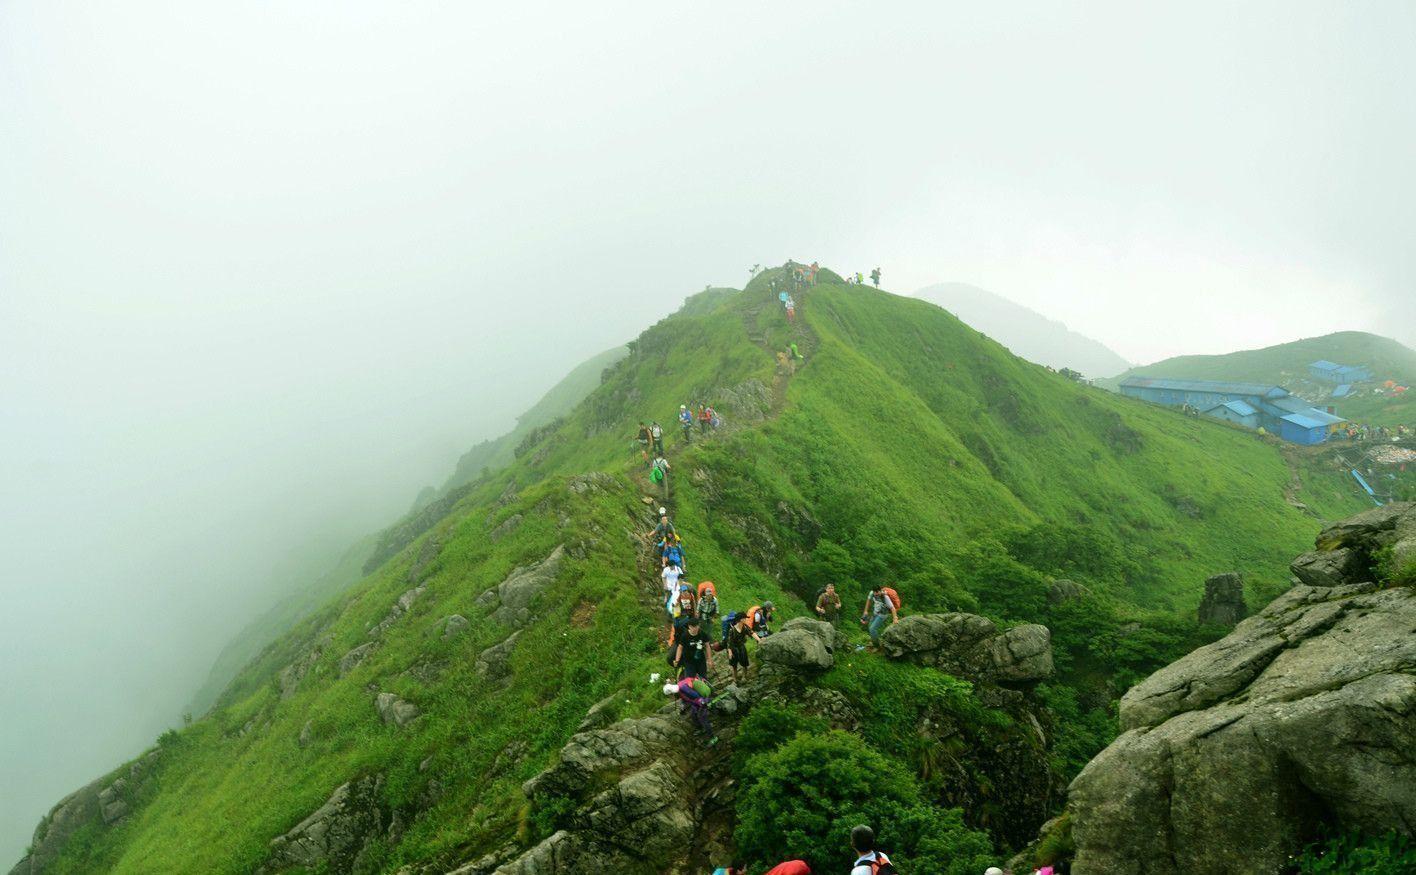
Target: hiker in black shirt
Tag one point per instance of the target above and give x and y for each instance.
(693, 654)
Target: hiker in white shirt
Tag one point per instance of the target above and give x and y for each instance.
(868, 860)
(671, 575)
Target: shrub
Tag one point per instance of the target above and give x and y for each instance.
(1354, 854)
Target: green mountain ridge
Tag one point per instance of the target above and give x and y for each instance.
(1286, 365)
(906, 448)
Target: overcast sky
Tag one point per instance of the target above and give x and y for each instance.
(267, 268)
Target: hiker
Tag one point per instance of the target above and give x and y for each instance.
(656, 434)
(659, 473)
(705, 419)
(828, 604)
(693, 654)
(685, 605)
(758, 616)
(860, 280)
(791, 867)
(694, 693)
(869, 861)
(664, 529)
(735, 642)
(707, 603)
(671, 575)
(783, 362)
(879, 606)
(717, 420)
(791, 309)
(875, 277)
(796, 355)
(643, 438)
(686, 421)
(673, 553)
(736, 868)
(814, 268)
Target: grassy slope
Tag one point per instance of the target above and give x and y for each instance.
(1287, 365)
(906, 437)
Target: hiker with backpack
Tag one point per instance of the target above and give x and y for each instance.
(735, 635)
(869, 861)
(705, 419)
(707, 603)
(642, 438)
(659, 473)
(693, 653)
(671, 575)
(828, 604)
(686, 421)
(672, 553)
(875, 277)
(882, 604)
(656, 437)
(758, 616)
(694, 694)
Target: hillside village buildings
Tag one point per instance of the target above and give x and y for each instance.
(1252, 405)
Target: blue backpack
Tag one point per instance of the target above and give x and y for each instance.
(728, 622)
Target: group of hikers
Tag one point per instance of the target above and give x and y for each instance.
(650, 438)
(869, 860)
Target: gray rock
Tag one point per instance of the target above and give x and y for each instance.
(74, 812)
(1306, 711)
(1223, 602)
(494, 662)
(399, 608)
(334, 837)
(306, 734)
(600, 714)
(596, 481)
(1326, 567)
(802, 644)
(396, 710)
(453, 625)
(507, 526)
(1062, 591)
(349, 661)
(1363, 526)
(971, 646)
(1021, 654)
(111, 802)
(522, 586)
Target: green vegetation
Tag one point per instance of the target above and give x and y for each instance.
(1352, 854)
(907, 449)
(1286, 365)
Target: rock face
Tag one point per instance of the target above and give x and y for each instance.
(1232, 756)
(1223, 602)
(519, 590)
(493, 663)
(399, 608)
(350, 660)
(337, 835)
(972, 646)
(452, 626)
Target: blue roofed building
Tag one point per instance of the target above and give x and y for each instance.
(1252, 405)
(1332, 372)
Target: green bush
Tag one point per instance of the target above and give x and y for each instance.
(1354, 854)
(802, 799)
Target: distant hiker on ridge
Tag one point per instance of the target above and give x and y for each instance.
(875, 277)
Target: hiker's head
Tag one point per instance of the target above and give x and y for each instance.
(671, 689)
(830, 587)
(862, 839)
(768, 607)
(693, 626)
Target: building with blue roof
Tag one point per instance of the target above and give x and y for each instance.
(1252, 405)
(1332, 372)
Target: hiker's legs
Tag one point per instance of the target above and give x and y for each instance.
(877, 624)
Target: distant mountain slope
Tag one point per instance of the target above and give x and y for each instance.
(398, 725)
(1286, 365)
(1026, 332)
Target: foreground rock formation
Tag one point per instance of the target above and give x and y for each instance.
(1303, 716)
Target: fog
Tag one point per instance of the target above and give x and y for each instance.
(267, 269)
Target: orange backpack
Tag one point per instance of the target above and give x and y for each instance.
(707, 586)
(893, 596)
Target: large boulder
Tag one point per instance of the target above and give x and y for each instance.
(515, 594)
(1233, 757)
(337, 835)
(1326, 567)
(971, 646)
(801, 644)
(1223, 602)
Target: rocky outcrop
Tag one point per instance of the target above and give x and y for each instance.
(1062, 591)
(494, 662)
(971, 646)
(396, 710)
(515, 594)
(509, 525)
(402, 606)
(1223, 602)
(1326, 567)
(351, 660)
(339, 834)
(1303, 716)
(103, 803)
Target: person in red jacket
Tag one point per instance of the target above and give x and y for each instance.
(791, 867)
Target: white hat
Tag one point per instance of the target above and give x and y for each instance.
(663, 511)
(672, 690)
(993, 870)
